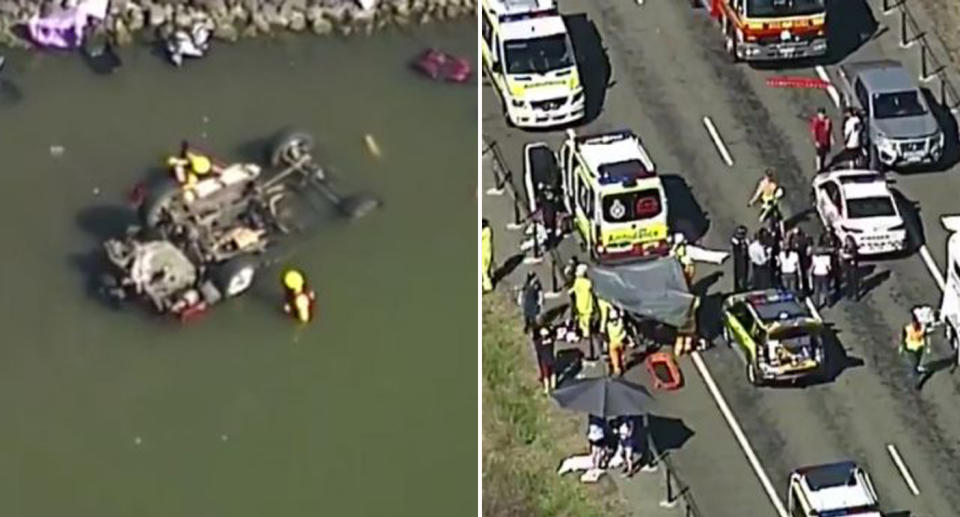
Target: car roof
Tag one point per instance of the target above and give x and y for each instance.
(864, 190)
(882, 76)
(773, 305)
(835, 486)
(622, 149)
(531, 28)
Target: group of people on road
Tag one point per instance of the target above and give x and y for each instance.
(612, 439)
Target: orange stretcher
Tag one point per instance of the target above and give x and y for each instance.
(664, 370)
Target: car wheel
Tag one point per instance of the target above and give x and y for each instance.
(289, 146)
(235, 276)
(752, 376)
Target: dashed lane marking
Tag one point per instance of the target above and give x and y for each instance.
(904, 471)
(739, 435)
(718, 142)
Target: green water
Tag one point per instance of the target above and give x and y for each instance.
(371, 410)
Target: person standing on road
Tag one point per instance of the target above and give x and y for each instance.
(767, 192)
(531, 300)
(852, 152)
(625, 445)
(831, 242)
(548, 215)
(914, 343)
(789, 261)
(486, 255)
(679, 250)
(616, 342)
(820, 272)
(582, 292)
(741, 258)
(850, 264)
(821, 129)
(543, 345)
(798, 241)
(603, 308)
(759, 264)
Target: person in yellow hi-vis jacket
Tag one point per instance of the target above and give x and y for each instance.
(616, 342)
(486, 256)
(300, 298)
(582, 292)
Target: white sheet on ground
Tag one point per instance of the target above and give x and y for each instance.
(698, 254)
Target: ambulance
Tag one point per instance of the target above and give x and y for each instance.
(529, 58)
(615, 196)
(949, 313)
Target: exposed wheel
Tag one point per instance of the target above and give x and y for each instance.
(289, 146)
(157, 198)
(235, 276)
(359, 205)
(752, 375)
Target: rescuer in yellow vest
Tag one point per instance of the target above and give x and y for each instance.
(486, 256)
(914, 343)
(188, 168)
(300, 298)
(616, 342)
(582, 292)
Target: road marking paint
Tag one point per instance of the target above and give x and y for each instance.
(813, 309)
(717, 141)
(738, 434)
(932, 266)
(902, 467)
(831, 90)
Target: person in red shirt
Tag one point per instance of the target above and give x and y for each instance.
(822, 131)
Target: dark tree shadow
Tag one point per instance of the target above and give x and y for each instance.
(668, 433)
(254, 150)
(710, 317)
(593, 64)
(951, 135)
(551, 315)
(685, 215)
(871, 282)
(701, 286)
(105, 221)
(835, 357)
(569, 363)
(938, 365)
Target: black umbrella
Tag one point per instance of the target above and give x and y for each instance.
(604, 397)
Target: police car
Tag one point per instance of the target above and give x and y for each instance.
(859, 204)
(832, 490)
(528, 55)
(776, 334)
(614, 195)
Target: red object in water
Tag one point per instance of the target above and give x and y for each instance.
(138, 193)
(664, 370)
(439, 65)
(797, 82)
(193, 312)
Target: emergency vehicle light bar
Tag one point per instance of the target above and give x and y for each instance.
(779, 296)
(529, 15)
(606, 138)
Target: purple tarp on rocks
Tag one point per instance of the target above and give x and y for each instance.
(64, 29)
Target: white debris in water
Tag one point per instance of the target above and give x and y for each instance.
(96, 191)
(56, 150)
(137, 441)
(206, 119)
(224, 437)
(203, 135)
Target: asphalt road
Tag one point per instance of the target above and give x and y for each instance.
(666, 72)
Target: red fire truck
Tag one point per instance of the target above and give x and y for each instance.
(766, 30)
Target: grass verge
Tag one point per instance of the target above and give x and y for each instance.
(524, 436)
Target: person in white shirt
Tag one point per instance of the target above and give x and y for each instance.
(821, 267)
(759, 264)
(852, 133)
(789, 261)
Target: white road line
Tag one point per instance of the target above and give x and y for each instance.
(932, 266)
(831, 90)
(813, 309)
(717, 141)
(902, 467)
(738, 434)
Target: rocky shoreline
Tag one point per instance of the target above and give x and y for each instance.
(235, 19)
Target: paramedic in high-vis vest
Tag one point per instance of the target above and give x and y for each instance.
(914, 344)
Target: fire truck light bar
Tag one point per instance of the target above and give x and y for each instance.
(797, 82)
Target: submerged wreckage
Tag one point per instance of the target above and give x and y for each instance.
(190, 252)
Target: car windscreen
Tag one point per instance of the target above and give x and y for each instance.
(626, 207)
(898, 104)
(775, 8)
(870, 207)
(538, 55)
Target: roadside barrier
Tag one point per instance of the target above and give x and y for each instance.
(676, 491)
(931, 67)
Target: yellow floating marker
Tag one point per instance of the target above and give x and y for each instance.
(372, 145)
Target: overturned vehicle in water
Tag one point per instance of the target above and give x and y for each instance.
(189, 252)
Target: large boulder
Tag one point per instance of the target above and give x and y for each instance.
(224, 29)
(156, 15)
(321, 26)
(298, 21)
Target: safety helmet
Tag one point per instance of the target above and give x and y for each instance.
(581, 270)
(199, 163)
(293, 280)
(614, 314)
(544, 331)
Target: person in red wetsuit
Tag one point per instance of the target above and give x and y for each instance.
(821, 129)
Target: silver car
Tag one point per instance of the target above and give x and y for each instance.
(900, 128)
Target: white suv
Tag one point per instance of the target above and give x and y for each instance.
(834, 489)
